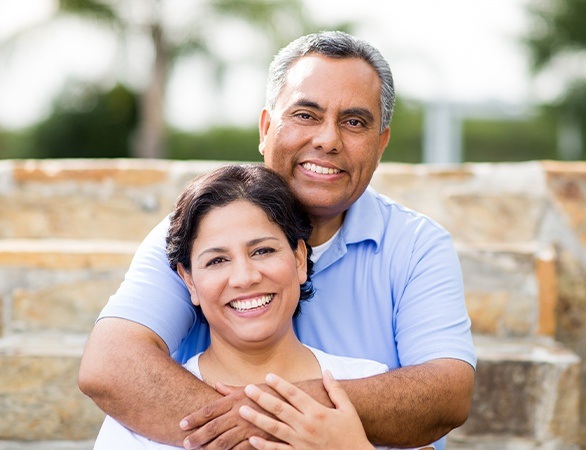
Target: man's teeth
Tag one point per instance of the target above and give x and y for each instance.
(245, 305)
(320, 169)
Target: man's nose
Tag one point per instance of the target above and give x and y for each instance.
(327, 137)
(244, 274)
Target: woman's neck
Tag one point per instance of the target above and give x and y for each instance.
(287, 358)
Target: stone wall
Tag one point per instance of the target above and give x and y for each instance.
(68, 229)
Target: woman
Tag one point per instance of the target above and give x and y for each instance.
(237, 238)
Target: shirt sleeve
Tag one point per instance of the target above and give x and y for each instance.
(431, 319)
(152, 294)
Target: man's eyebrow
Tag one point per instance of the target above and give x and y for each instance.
(307, 104)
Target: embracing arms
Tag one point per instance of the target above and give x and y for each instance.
(407, 407)
(136, 381)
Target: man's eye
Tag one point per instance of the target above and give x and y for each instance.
(304, 116)
(355, 122)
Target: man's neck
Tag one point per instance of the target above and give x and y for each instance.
(324, 228)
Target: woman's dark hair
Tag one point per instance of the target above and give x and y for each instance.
(254, 183)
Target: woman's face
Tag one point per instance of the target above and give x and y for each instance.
(244, 275)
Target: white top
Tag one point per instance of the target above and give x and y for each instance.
(113, 435)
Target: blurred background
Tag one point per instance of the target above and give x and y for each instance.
(476, 81)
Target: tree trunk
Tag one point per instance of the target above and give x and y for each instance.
(150, 138)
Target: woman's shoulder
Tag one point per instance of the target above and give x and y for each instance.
(347, 367)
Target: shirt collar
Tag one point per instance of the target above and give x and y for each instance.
(364, 220)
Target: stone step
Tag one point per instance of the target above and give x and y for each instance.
(89, 199)
(511, 290)
(526, 396)
(39, 396)
(58, 284)
(47, 445)
(120, 199)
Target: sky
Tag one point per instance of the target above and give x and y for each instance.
(461, 51)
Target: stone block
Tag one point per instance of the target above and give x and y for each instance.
(567, 184)
(511, 290)
(525, 391)
(39, 396)
(59, 285)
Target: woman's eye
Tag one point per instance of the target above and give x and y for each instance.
(215, 262)
(263, 251)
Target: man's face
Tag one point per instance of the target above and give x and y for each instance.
(323, 136)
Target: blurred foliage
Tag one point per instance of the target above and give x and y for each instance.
(87, 123)
(558, 27)
(218, 143)
(532, 138)
(406, 141)
(557, 39)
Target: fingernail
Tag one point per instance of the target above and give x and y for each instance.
(183, 424)
(270, 378)
(244, 411)
(249, 389)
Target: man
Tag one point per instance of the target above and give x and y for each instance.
(388, 281)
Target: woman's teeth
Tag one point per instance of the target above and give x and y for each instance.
(320, 169)
(246, 305)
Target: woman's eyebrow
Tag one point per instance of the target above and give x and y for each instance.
(250, 243)
(260, 240)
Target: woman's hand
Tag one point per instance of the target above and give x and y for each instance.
(303, 423)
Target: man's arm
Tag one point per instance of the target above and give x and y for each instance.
(406, 407)
(128, 373)
(416, 405)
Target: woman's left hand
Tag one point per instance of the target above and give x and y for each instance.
(301, 422)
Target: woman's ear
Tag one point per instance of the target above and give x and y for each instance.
(188, 280)
(301, 260)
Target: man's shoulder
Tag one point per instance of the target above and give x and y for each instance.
(392, 213)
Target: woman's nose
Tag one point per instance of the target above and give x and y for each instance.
(244, 274)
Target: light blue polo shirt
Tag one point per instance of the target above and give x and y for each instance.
(389, 289)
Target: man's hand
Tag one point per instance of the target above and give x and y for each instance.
(219, 424)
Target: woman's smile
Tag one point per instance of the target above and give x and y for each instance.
(251, 304)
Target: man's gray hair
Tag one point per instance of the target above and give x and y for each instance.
(332, 44)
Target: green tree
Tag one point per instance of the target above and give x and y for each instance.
(87, 123)
(557, 40)
(171, 39)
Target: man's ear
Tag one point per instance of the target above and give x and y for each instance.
(263, 127)
(301, 261)
(186, 277)
(383, 141)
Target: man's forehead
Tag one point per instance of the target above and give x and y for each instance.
(314, 78)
